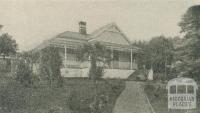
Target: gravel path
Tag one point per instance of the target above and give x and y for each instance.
(132, 100)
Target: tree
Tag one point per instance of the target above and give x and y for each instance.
(50, 65)
(143, 58)
(158, 54)
(99, 56)
(8, 46)
(190, 22)
(161, 52)
(189, 51)
(190, 25)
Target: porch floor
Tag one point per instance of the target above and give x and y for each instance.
(117, 73)
(109, 73)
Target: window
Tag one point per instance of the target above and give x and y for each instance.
(190, 89)
(173, 90)
(181, 89)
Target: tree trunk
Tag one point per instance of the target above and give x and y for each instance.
(165, 67)
(93, 68)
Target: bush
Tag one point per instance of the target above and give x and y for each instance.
(78, 96)
(50, 65)
(24, 74)
(95, 99)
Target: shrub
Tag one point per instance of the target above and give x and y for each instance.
(95, 99)
(24, 74)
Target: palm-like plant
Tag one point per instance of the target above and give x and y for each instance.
(99, 57)
(50, 64)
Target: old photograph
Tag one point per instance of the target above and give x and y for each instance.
(99, 56)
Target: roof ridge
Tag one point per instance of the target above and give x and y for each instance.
(103, 27)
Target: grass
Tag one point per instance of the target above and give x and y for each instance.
(83, 97)
(76, 96)
(16, 98)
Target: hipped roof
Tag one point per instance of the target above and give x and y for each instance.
(109, 34)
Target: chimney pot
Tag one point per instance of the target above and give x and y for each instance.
(82, 27)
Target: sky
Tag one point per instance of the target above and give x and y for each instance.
(32, 21)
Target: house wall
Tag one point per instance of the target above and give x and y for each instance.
(124, 56)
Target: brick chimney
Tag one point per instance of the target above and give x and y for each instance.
(82, 27)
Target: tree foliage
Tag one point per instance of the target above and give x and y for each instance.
(189, 51)
(99, 56)
(8, 46)
(158, 54)
(190, 22)
(142, 57)
(161, 52)
(155, 53)
(50, 65)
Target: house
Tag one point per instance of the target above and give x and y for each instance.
(123, 53)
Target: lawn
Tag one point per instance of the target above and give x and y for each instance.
(76, 96)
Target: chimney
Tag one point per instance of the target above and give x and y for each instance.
(82, 28)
